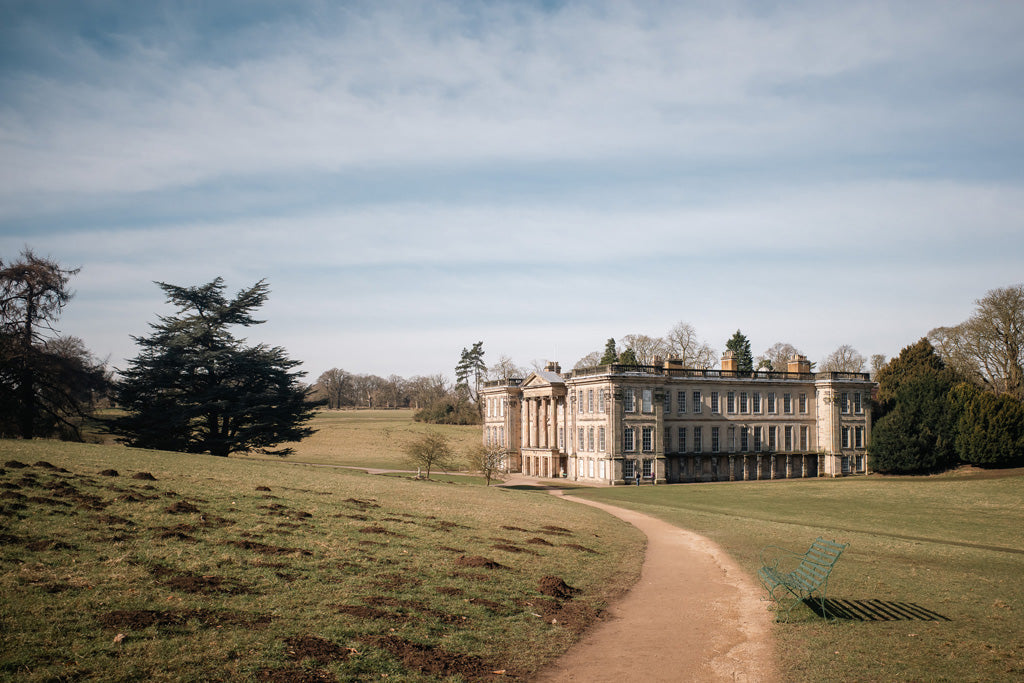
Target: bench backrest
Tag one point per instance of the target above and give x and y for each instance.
(818, 561)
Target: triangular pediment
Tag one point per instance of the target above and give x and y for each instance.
(542, 378)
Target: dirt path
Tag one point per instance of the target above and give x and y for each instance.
(692, 616)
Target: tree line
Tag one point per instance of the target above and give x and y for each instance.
(956, 395)
(682, 343)
(337, 389)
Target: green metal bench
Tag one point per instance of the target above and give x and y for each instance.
(809, 578)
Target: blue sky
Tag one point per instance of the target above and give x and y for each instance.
(411, 178)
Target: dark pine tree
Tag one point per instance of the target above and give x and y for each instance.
(471, 370)
(196, 388)
(610, 356)
(740, 347)
(628, 357)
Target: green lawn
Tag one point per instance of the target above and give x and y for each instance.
(934, 569)
(190, 567)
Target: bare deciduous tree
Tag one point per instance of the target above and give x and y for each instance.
(844, 359)
(877, 362)
(645, 348)
(37, 392)
(989, 346)
(429, 450)
(335, 386)
(683, 343)
(505, 369)
(776, 357)
(426, 390)
(488, 459)
(590, 360)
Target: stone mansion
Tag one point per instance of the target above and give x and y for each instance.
(609, 423)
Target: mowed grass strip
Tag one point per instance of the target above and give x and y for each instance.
(125, 564)
(929, 590)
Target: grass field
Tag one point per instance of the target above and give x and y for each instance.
(372, 438)
(931, 586)
(204, 573)
(120, 564)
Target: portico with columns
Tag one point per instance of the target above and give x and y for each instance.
(663, 423)
(543, 416)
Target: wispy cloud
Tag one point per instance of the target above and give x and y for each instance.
(821, 173)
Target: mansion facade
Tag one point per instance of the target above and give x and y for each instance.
(665, 423)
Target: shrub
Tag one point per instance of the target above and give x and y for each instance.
(447, 411)
(990, 428)
(918, 433)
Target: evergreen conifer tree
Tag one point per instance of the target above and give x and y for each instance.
(610, 356)
(918, 425)
(740, 347)
(196, 388)
(628, 357)
(471, 370)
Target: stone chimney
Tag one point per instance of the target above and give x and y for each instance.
(798, 364)
(554, 367)
(729, 361)
(673, 364)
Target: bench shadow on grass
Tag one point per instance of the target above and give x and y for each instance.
(873, 610)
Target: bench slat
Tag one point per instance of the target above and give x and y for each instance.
(810, 575)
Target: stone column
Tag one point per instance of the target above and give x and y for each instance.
(552, 419)
(533, 423)
(542, 423)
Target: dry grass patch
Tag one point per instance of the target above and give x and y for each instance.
(372, 438)
(197, 573)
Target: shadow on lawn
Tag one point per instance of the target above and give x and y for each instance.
(538, 487)
(873, 610)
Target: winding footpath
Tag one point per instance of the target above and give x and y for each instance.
(692, 616)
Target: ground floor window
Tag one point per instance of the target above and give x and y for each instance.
(600, 464)
(590, 467)
(648, 468)
(628, 469)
